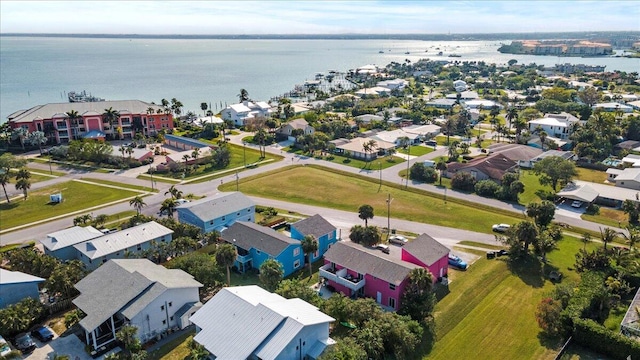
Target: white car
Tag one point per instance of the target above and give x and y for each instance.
(398, 240)
(501, 227)
(382, 247)
(576, 204)
(4, 347)
(181, 201)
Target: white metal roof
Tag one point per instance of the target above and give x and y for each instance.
(71, 236)
(123, 239)
(274, 322)
(218, 205)
(16, 277)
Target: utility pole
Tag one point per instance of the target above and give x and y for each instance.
(244, 153)
(408, 161)
(151, 174)
(379, 163)
(389, 200)
(237, 178)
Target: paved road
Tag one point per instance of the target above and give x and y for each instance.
(341, 219)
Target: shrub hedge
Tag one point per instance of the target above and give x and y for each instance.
(596, 337)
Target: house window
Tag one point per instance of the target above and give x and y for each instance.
(223, 218)
(164, 322)
(162, 308)
(392, 302)
(296, 264)
(315, 254)
(170, 303)
(474, 174)
(211, 222)
(248, 210)
(392, 286)
(238, 214)
(171, 318)
(296, 251)
(258, 252)
(104, 260)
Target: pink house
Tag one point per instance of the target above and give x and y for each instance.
(355, 270)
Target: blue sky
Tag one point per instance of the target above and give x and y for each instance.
(316, 17)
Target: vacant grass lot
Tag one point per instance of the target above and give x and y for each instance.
(489, 310)
(416, 150)
(120, 184)
(315, 186)
(609, 217)
(76, 196)
(590, 175)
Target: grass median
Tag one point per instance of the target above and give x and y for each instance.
(319, 186)
(76, 196)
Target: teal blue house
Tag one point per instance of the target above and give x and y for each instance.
(320, 229)
(256, 243)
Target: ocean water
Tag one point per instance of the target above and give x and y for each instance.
(41, 70)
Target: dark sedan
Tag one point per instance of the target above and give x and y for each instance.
(42, 333)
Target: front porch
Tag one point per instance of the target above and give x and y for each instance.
(341, 277)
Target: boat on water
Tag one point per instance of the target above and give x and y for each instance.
(455, 55)
(381, 52)
(77, 97)
(440, 53)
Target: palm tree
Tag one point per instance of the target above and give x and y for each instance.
(309, 246)
(226, 256)
(100, 220)
(169, 207)
(23, 181)
(175, 193)
(123, 150)
(137, 203)
(4, 180)
(164, 102)
(244, 95)
(511, 115)
(634, 236)
(37, 138)
(73, 117)
(365, 212)
(186, 158)
(195, 153)
(586, 238)
(271, 274)
(607, 236)
(204, 107)
(110, 116)
(20, 134)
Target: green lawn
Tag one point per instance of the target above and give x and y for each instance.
(416, 150)
(590, 175)
(489, 310)
(76, 196)
(383, 162)
(531, 186)
(176, 349)
(120, 184)
(609, 217)
(335, 189)
(479, 244)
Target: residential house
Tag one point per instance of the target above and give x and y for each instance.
(52, 119)
(613, 106)
(397, 137)
(16, 286)
(394, 84)
(555, 125)
(629, 178)
(628, 145)
(481, 103)
(217, 212)
(296, 126)
(428, 131)
(515, 152)
(117, 245)
(612, 196)
(134, 152)
(355, 148)
(241, 112)
(355, 270)
(464, 95)
(60, 244)
(184, 157)
(441, 103)
(320, 229)
(630, 324)
(256, 243)
(248, 322)
(184, 143)
(460, 85)
(492, 167)
(634, 104)
(631, 160)
(136, 292)
(528, 164)
(367, 118)
(376, 90)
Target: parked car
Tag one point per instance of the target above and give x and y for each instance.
(502, 252)
(181, 201)
(42, 333)
(501, 227)
(576, 204)
(24, 343)
(456, 262)
(5, 349)
(384, 248)
(398, 240)
(431, 143)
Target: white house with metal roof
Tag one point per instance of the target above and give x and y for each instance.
(241, 112)
(629, 178)
(248, 322)
(556, 125)
(16, 286)
(613, 106)
(60, 244)
(217, 212)
(137, 292)
(116, 245)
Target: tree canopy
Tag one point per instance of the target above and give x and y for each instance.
(554, 171)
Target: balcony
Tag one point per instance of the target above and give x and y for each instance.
(243, 258)
(341, 277)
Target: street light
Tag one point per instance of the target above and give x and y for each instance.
(237, 178)
(151, 174)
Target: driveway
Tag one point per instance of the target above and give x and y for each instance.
(68, 345)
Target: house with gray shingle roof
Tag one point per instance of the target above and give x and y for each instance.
(320, 229)
(356, 270)
(248, 322)
(135, 292)
(217, 212)
(256, 243)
